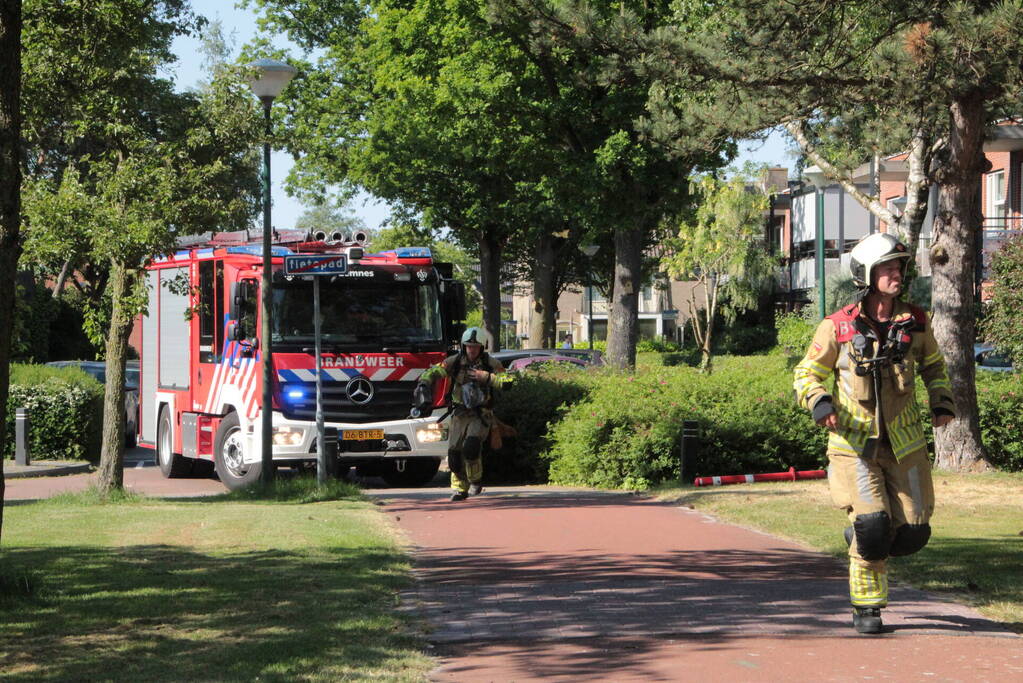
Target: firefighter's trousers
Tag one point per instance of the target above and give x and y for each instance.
(467, 433)
(889, 503)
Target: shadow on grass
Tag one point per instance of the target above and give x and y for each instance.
(981, 571)
(159, 612)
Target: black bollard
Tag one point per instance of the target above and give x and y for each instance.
(689, 450)
(21, 454)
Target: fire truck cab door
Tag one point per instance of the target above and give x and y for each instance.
(208, 322)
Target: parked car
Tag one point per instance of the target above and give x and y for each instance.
(588, 356)
(990, 359)
(521, 364)
(98, 370)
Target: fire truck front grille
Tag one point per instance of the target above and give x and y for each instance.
(390, 401)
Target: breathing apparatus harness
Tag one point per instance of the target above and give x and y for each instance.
(891, 352)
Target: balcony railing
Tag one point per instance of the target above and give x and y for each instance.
(995, 232)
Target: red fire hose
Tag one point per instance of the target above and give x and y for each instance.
(791, 475)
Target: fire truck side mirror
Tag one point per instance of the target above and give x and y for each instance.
(456, 300)
(244, 295)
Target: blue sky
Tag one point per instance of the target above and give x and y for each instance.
(240, 24)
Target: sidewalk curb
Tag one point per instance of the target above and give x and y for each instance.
(44, 468)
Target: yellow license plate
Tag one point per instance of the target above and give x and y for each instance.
(361, 434)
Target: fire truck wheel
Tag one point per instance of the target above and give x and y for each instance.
(171, 464)
(417, 472)
(228, 454)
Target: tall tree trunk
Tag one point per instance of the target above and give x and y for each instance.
(623, 318)
(491, 250)
(541, 311)
(958, 445)
(10, 197)
(111, 461)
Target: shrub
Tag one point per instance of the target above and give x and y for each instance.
(65, 412)
(740, 339)
(1000, 403)
(1001, 314)
(607, 429)
(532, 403)
(659, 345)
(626, 432)
(794, 332)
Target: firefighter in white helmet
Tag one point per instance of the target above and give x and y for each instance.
(474, 374)
(879, 471)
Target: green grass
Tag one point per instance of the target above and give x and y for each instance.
(224, 588)
(974, 554)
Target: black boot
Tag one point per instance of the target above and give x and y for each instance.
(475, 489)
(848, 533)
(867, 619)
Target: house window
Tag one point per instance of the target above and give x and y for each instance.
(996, 209)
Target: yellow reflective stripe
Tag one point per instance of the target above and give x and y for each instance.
(821, 371)
(940, 383)
(932, 358)
(906, 432)
(867, 588)
(847, 441)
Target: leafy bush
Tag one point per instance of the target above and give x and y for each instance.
(658, 345)
(65, 412)
(626, 432)
(740, 339)
(1001, 315)
(794, 333)
(607, 429)
(532, 403)
(598, 344)
(1000, 403)
(689, 356)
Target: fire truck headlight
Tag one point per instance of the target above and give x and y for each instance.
(432, 433)
(286, 436)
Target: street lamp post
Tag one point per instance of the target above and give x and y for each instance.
(589, 250)
(270, 79)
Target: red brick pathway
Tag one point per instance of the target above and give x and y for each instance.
(534, 584)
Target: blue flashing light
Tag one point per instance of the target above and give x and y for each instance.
(413, 252)
(294, 394)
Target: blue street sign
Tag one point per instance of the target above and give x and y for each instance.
(320, 264)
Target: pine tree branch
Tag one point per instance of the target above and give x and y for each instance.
(797, 129)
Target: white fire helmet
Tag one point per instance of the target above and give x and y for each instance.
(477, 335)
(872, 250)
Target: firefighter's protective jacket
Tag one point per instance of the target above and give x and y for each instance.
(860, 414)
(458, 367)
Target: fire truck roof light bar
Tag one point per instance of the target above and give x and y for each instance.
(256, 250)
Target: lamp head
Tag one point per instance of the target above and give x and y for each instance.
(271, 78)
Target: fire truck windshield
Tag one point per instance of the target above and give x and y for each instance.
(367, 315)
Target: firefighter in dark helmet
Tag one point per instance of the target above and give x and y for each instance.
(474, 375)
(878, 469)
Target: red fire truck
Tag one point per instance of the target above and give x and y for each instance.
(383, 323)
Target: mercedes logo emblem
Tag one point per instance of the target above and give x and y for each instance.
(360, 391)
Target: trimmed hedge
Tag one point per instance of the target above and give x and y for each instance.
(531, 403)
(605, 429)
(65, 412)
(1000, 400)
(626, 432)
